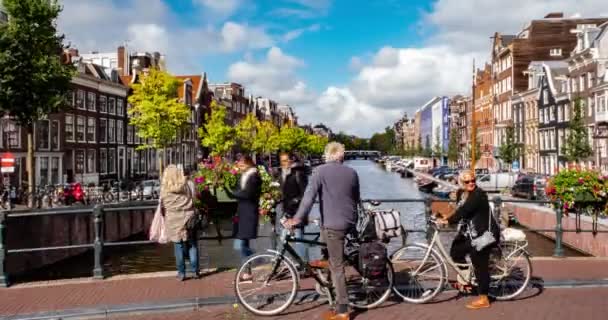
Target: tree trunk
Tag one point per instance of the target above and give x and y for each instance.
(30, 165)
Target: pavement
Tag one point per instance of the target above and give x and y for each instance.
(575, 283)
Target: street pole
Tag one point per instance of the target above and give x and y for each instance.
(473, 125)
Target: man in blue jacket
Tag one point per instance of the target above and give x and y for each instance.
(337, 187)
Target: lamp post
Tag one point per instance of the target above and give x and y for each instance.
(473, 124)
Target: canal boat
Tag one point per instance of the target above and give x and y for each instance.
(427, 186)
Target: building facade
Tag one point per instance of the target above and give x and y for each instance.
(484, 119)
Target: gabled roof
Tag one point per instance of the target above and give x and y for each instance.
(196, 81)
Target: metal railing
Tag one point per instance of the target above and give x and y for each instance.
(98, 213)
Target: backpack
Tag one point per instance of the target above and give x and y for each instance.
(387, 223)
(372, 260)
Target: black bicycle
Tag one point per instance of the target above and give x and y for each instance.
(274, 282)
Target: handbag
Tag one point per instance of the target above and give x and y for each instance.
(487, 238)
(388, 224)
(157, 228)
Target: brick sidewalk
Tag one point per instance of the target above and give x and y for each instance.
(32, 298)
(551, 304)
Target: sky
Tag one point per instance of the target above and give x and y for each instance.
(354, 65)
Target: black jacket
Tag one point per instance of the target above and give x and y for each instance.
(292, 189)
(248, 206)
(475, 211)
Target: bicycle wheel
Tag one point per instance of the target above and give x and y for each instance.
(419, 276)
(367, 293)
(268, 293)
(510, 272)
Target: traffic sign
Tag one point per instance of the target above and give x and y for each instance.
(515, 166)
(7, 163)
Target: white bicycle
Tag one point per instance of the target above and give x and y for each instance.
(421, 270)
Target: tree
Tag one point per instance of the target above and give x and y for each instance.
(383, 142)
(419, 148)
(315, 145)
(438, 148)
(267, 138)
(291, 139)
(453, 146)
(577, 145)
(216, 134)
(427, 152)
(34, 76)
(509, 151)
(246, 132)
(156, 113)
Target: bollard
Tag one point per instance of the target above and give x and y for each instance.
(559, 250)
(98, 243)
(3, 275)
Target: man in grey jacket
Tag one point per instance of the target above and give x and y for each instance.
(337, 187)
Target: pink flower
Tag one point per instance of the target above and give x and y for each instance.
(581, 180)
(566, 206)
(206, 188)
(199, 180)
(233, 172)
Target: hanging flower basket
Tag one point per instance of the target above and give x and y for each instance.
(579, 190)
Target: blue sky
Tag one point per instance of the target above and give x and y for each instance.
(356, 65)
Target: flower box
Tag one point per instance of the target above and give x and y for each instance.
(221, 195)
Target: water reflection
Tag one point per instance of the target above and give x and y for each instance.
(376, 183)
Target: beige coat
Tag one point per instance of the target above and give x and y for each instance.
(178, 209)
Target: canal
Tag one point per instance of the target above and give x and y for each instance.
(376, 183)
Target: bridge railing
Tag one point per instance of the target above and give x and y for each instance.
(98, 244)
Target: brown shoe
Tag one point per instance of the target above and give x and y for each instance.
(332, 315)
(319, 264)
(480, 303)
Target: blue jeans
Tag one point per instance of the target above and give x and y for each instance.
(182, 248)
(300, 248)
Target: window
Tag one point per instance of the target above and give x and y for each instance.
(545, 97)
(111, 106)
(44, 171)
(80, 99)
(91, 130)
(91, 97)
(119, 132)
(574, 85)
(130, 133)
(69, 127)
(103, 130)
(90, 161)
(111, 131)
(43, 135)
(551, 113)
(567, 112)
(55, 135)
(79, 156)
(103, 161)
(120, 109)
(555, 52)
(103, 104)
(559, 113)
(590, 79)
(136, 161)
(70, 98)
(111, 160)
(582, 82)
(54, 170)
(80, 128)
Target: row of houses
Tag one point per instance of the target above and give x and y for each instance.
(91, 141)
(532, 82)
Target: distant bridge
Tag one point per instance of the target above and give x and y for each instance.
(361, 154)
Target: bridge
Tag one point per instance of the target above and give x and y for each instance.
(361, 154)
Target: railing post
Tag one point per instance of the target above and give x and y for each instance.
(98, 243)
(3, 275)
(559, 250)
(497, 209)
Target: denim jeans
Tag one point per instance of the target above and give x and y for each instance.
(190, 248)
(300, 248)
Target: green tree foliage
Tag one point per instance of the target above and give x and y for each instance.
(427, 152)
(156, 112)
(216, 134)
(577, 145)
(383, 142)
(267, 138)
(438, 147)
(453, 146)
(292, 139)
(509, 151)
(34, 78)
(315, 145)
(246, 132)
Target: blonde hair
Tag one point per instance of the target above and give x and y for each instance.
(334, 151)
(466, 173)
(173, 180)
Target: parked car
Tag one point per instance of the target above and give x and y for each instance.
(150, 189)
(496, 182)
(531, 187)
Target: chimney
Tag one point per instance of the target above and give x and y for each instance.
(121, 62)
(554, 15)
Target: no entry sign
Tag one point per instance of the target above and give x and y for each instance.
(8, 163)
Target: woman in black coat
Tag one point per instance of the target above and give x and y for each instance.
(473, 214)
(248, 197)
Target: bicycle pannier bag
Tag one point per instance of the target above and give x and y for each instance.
(372, 260)
(388, 224)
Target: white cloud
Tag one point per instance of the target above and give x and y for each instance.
(355, 64)
(304, 9)
(100, 25)
(296, 33)
(222, 7)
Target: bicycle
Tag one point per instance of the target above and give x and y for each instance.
(426, 269)
(277, 269)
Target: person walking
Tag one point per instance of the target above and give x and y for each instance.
(337, 187)
(176, 202)
(247, 194)
(293, 181)
(474, 217)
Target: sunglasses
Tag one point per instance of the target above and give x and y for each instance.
(468, 181)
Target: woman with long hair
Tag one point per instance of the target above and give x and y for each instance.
(176, 201)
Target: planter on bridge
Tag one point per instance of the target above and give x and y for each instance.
(580, 191)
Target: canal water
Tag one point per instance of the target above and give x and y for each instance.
(376, 183)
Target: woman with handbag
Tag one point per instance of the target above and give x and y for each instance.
(477, 234)
(180, 219)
